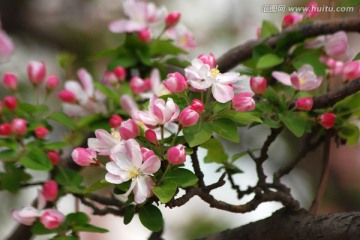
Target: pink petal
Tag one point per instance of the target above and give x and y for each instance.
(111, 178)
(282, 77)
(222, 93)
(151, 165)
(119, 26)
(86, 81)
(141, 190)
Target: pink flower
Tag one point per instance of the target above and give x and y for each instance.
(115, 121)
(304, 79)
(208, 59)
(129, 129)
(50, 190)
(53, 156)
(243, 102)
(129, 164)
(139, 85)
(327, 120)
(36, 72)
(6, 46)
(258, 84)
(104, 141)
(120, 73)
(351, 70)
(176, 155)
(129, 105)
(41, 132)
(109, 79)
(144, 35)
(175, 82)
(182, 37)
(5, 129)
(304, 104)
(160, 112)
(312, 10)
(26, 216)
(18, 126)
(151, 136)
(172, 19)
(52, 218)
(188, 117)
(291, 19)
(197, 105)
(84, 157)
(336, 44)
(10, 81)
(10, 103)
(51, 82)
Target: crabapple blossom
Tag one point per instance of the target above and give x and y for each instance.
(172, 19)
(84, 157)
(197, 105)
(36, 72)
(52, 218)
(243, 102)
(351, 70)
(5, 129)
(6, 46)
(26, 216)
(182, 37)
(41, 132)
(104, 141)
(51, 82)
(175, 82)
(115, 121)
(291, 19)
(176, 155)
(67, 96)
(336, 44)
(304, 103)
(208, 59)
(129, 129)
(144, 35)
(188, 117)
(53, 156)
(327, 120)
(151, 136)
(129, 164)
(10, 81)
(10, 103)
(50, 190)
(139, 85)
(304, 79)
(129, 105)
(258, 84)
(18, 126)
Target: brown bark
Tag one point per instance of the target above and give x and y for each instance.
(297, 226)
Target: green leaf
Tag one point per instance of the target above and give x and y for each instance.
(357, 57)
(8, 155)
(107, 91)
(89, 228)
(87, 120)
(166, 191)
(36, 159)
(8, 143)
(268, 61)
(65, 238)
(313, 60)
(350, 133)
(102, 183)
(226, 128)
(181, 176)
(350, 3)
(294, 122)
(65, 59)
(77, 219)
(215, 151)
(151, 217)
(198, 133)
(39, 229)
(68, 177)
(242, 154)
(55, 145)
(268, 29)
(11, 179)
(164, 47)
(242, 118)
(129, 214)
(218, 107)
(62, 119)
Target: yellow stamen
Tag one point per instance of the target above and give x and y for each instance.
(301, 81)
(134, 173)
(115, 134)
(214, 72)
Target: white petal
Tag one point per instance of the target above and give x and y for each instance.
(282, 77)
(141, 190)
(111, 178)
(86, 81)
(151, 165)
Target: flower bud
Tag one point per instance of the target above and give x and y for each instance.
(50, 190)
(129, 129)
(115, 121)
(26, 216)
(176, 155)
(53, 156)
(41, 132)
(175, 82)
(336, 44)
(188, 117)
(137, 85)
(18, 126)
(243, 102)
(208, 59)
(10, 81)
(351, 70)
(291, 19)
(67, 96)
(52, 218)
(10, 103)
(120, 73)
(197, 105)
(144, 35)
(36, 72)
(51, 82)
(258, 84)
(172, 19)
(151, 136)
(327, 120)
(84, 157)
(5, 129)
(304, 104)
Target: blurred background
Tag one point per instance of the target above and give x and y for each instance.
(41, 29)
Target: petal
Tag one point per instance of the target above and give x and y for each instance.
(86, 81)
(134, 152)
(282, 77)
(222, 93)
(151, 165)
(112, 168)
(141, 190)
(76, 88)
(111, 178)
(122, 25)
(147, 118)
(228, 78)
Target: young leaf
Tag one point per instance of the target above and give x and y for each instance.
(89, 228)
(268, 61)
(166, 191)
(55, 145)
(242, 118)
(36, 159)
(97, 186)
(198, 134)
(294, 122)
(215, 151)
(68, 177)
(226, 128)
(151, 217)
(181, 176)
(268, 29)
(350, 133)
(62, 119)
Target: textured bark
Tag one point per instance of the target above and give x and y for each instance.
(297, 226)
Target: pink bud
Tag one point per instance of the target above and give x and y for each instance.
(144, 35)
(18, 126)
(115, 121)
(312, 10)
(243, 102)
(84, 157)
(336, 44)
(304, 104)
(208, 59)
(258, 84)
(197, 105)
(52, 218)
(176, 155)
(50, 190)
(53, 156)
(327, 120)
(36, 72)
(351, 70)
(175, 82)
(172, 19)
(26, 216)
(137, 85)
(5, 129)
(41, 132)
(188, 117)
(10, 81)
(109, 79)
(51, 82)
(151, 136)
(6, 46)
(146, 153)
(120, 73)
(67, 96)
(147, 84)
(129, 129)
(10, 103)
(291, 19)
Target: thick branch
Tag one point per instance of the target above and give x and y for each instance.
(242, 52)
